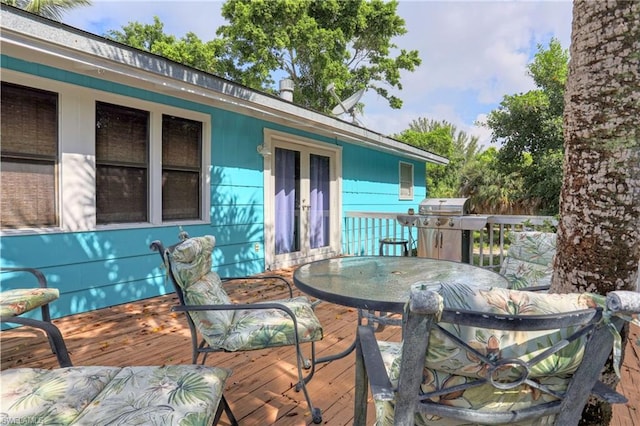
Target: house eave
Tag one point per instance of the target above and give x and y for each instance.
(23, 35)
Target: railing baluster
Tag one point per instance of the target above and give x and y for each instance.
(482, 248)
(502, 230)
(360, 236)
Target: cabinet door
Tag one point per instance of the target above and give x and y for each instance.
(438, 243)
(450, 245)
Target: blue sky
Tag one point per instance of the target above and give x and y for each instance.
(473, 52)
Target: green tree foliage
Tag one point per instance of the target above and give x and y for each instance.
(490, 190)
(442, 138)
(317, 42)
(188, 50)
(531, 123)
(52, 9)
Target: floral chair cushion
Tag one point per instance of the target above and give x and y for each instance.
(447, 364)
(192, 259)
(522, 274)
(20, 300)
(234, 330)
(533, 246)
(169, 395)
(529, 259)
(51, 396)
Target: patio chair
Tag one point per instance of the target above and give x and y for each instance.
(18, 301)
(529, 260)
(491, 356)
(217, 324)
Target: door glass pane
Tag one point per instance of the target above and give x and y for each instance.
(287, 200)
(319, 201)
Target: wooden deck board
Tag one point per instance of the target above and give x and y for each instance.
(260, 391)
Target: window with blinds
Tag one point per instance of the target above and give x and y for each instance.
(406, 181)
(181, 168)
(29, 157)
(122, 164)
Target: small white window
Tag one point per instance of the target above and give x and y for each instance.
(406, 181)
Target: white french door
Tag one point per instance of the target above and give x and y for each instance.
(302, 200)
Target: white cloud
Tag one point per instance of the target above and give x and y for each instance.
(473, 53)
(483, 133)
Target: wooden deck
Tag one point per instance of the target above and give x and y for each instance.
(260, 391)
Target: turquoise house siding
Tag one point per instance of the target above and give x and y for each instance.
(105, 267)
(370, 181)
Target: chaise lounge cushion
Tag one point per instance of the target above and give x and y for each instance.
(169, 395)
(448, 365)
(241, 329)
(529, 260)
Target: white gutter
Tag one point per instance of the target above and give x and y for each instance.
(85, 52)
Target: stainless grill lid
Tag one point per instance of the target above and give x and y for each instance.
(444, 206)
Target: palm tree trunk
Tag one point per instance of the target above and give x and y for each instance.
(598, 248)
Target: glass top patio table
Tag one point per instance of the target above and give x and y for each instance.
(381, 283)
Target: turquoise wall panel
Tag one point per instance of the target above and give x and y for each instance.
(224, 174)
(229, 194)
(370, 181)
(72, 248)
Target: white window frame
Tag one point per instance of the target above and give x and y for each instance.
(76, 145)
(410, 183)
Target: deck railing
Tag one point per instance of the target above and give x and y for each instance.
(364, 230)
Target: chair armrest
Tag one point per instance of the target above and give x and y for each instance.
(240, 307)
(381, 387)
(233, 307)
(237, 307)
(42, 280)
(623, 302)
(535, 288)
(56, 341)
(259, 278)
(607, 394)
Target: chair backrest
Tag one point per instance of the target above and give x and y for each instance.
(188, 266)
(529, 259)
(499, 355)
